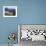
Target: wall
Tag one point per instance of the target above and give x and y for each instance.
(33, 11)
(29, 12)
(7, 25)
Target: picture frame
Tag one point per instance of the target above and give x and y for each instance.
(9, 11)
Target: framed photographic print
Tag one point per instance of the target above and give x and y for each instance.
(9, 11)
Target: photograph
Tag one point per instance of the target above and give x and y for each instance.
(9, 11)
